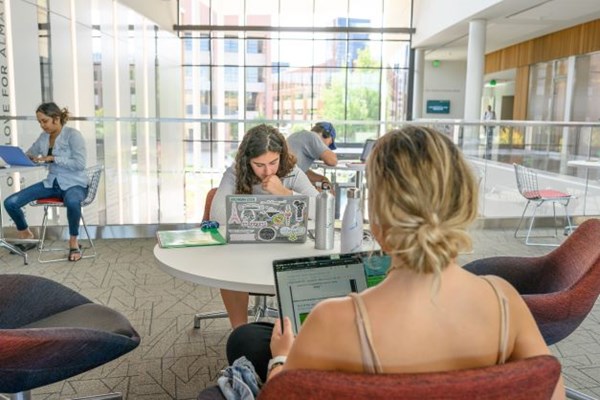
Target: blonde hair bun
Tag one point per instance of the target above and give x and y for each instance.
(426, 197)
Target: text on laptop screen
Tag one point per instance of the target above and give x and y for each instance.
(301, 283)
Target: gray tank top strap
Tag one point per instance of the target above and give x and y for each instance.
(371, 363)
(504, 314)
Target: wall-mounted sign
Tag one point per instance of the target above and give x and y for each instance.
(438, 107)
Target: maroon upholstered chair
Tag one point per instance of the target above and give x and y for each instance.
(561, 287)
(49, 332)
(531, 379)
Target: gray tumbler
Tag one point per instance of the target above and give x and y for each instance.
(324, 219)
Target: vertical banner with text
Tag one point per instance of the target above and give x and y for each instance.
(4, 78)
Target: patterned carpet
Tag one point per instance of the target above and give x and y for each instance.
(175, 361)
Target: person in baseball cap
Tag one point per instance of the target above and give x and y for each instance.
(327, 132)
(316, 144)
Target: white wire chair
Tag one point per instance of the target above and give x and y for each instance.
(94, 174)
(527, 183)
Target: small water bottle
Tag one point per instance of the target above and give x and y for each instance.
(352, 223)
(324, 219)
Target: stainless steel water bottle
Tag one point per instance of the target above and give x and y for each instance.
(352, 223)
(324, 219)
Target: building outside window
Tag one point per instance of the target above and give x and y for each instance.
(231, 45)
(294, 78)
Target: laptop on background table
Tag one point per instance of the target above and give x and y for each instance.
(368, 146)
(301, 283)
(15, 156)
(266, 218)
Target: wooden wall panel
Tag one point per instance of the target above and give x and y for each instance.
(590, 37)
(521, 93)
(580, 39)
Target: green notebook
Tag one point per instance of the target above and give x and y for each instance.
(189, 238)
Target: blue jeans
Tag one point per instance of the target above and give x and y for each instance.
(71, 197)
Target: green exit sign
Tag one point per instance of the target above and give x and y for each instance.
(438, 106)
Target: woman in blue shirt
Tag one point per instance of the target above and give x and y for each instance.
(63, 149)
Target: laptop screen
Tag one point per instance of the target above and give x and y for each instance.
(367, 149)
(13, 155)
(267, 218)
(302, 282)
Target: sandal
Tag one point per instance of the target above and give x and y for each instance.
(73, 252)
(24, 247)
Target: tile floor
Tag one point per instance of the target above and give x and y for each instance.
(175, 361)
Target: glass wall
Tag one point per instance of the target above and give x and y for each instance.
(292, 63)
(164, 112)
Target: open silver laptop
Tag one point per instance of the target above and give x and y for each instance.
(15, 156)
(266, 219)
(368, 146)
(302, 282)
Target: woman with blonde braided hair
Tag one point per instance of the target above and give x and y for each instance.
(428, 314)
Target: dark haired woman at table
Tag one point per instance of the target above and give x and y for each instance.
(63, 149)
(263, 165)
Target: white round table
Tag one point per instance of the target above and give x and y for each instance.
(241, 267)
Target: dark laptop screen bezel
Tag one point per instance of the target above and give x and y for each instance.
(369, 143)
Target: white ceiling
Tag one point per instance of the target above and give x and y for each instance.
(510, 22)
(161, 12)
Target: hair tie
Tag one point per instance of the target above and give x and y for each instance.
(205, 225)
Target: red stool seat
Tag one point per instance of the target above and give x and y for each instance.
(49, 200)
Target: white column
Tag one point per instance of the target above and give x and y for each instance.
(474, 83)
(569, 96)
(417, 105)
(475, 68)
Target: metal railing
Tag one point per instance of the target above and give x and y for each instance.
(158, 170)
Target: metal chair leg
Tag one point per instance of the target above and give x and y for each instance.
(26, 395)
(529, 236)
(574, 394)
(211, 315)
(521, 220)
(42, 249)
(258, 310)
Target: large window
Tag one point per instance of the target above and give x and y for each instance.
(45, 50)
(345, 61)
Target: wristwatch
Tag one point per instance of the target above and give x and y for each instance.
(274, 362)
(320, 184)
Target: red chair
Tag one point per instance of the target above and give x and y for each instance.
(527, 183)
(94, 174)
(560, 288)
(208, 202)
(530, 379)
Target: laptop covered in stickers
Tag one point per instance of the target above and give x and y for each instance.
(266, 218)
